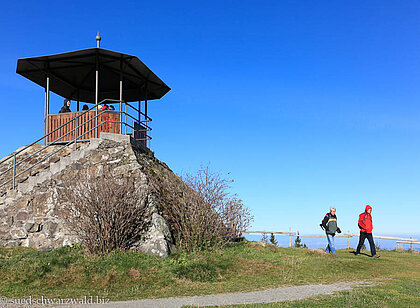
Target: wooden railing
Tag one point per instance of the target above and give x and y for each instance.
(108, 122)
(347, 235)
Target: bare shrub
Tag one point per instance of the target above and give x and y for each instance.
(264, 238)
(106, 212)
(215, 190)
(202, 211)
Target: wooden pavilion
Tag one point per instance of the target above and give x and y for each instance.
(97, 77)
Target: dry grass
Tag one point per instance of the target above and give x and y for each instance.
(70, 272)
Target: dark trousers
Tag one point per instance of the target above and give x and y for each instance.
(363, 236)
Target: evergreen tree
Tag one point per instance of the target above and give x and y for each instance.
(273, 239)
(298, 242)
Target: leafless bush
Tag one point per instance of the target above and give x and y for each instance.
(202, 211)
(215, 190)
(106, 212)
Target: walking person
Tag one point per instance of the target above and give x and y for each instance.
(329, 224)
(366, 227)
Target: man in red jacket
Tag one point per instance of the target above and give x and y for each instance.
(365, 225)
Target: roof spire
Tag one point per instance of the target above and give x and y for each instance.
(98, 40)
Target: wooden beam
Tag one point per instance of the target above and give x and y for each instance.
(408, 240)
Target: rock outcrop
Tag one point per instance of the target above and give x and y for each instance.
(30, 215)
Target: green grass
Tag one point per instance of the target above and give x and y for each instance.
(396, 293)
(123, 275)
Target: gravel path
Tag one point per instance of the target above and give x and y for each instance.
(266, 296)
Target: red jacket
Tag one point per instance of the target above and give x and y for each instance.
(365, 221)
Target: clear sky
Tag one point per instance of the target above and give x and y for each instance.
(309, 104)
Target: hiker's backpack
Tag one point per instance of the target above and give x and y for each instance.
(322, 223)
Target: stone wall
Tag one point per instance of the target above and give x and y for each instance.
(30, 215)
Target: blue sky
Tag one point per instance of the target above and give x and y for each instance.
(307, 104)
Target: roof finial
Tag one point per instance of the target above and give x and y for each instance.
(98, 40)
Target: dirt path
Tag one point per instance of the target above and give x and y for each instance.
(266, 296)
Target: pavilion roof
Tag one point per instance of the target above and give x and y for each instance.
(72, 75)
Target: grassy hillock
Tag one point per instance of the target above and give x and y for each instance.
(247, 266)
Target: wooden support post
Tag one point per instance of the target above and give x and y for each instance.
(348, 240)
(290, 237)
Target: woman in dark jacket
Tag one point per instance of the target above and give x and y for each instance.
(329, 224)
(66, 107)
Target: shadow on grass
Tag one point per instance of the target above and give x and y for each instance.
(362, 253)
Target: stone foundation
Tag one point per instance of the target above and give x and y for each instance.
(30, 216)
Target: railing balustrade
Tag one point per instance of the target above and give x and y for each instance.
(66, 129)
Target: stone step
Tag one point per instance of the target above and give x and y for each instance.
(93, 144)
(33, 180)
(68, 156)
(65, 161)
(42, 177)
(24, 187)
(76, 155)
(54, 168)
